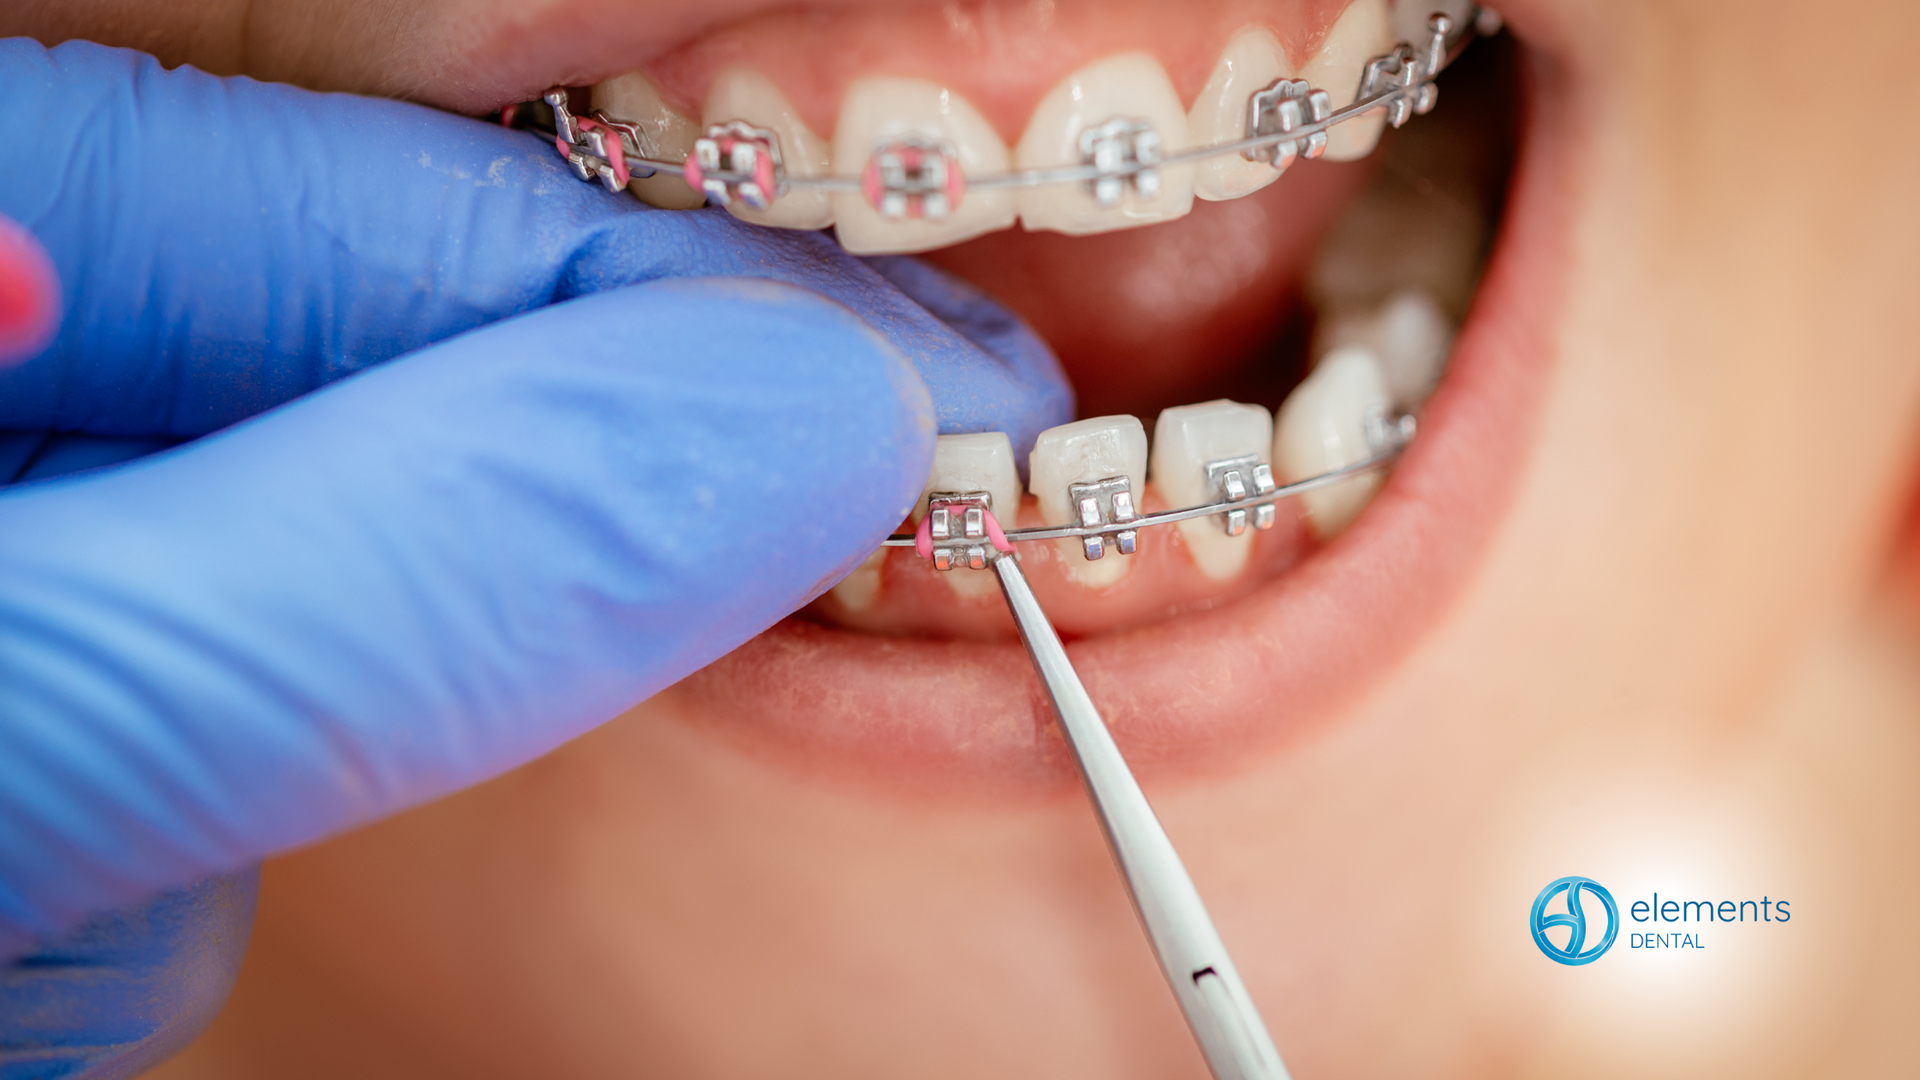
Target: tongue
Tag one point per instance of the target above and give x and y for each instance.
(1199, 308)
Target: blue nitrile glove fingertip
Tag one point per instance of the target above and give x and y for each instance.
(1028, 391)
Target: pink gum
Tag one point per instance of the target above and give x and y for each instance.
(1001, 57)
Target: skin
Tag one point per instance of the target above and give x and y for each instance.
(1684, 654)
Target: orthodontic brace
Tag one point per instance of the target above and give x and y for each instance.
(917, 177)
(1105, 502)
(1237, 480)
(958, 530)
(914, 176)
(1105, 508)
(736, 161)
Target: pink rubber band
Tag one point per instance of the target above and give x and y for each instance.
(956, 185)
(923, 535)
(616, 150)
(994, 534)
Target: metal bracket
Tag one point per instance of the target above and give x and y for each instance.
(737, 161)
(1104, 502)
(957, 523)
(1281, 109)
(630, 141)
(1238, 479)
(913, 176)
(1387, 432)
(596, 147)
(1409, 73)
(1123, 153)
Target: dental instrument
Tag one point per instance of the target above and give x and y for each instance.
(1216, 1004)
(960, 529)
(912, 176)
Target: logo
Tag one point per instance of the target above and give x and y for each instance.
(1575, 950)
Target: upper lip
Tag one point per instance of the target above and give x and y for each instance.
(474, 62)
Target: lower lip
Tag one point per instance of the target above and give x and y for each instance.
(927, 716)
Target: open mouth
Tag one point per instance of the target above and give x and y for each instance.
(1233, 310)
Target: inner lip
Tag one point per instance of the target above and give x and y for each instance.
(1195, 690)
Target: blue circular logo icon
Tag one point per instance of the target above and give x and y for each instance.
(1574, 950)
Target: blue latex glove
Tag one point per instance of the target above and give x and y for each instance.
(379, 582)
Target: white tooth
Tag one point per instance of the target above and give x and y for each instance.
(1082, 452)
(1362, 32)
(858, 590)
(1412, 337)
(982, 462)
(1409, 334)
(1131, 86)
(665, 135)
(745, 94)
(1185, 440)
(1252, 61)
(879, 109)
(1323, 426)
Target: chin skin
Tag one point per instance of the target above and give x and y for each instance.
(1659, 654)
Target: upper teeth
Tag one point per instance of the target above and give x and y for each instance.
(1363, 31)
(1252, 61)
(880, 113)
(1109, 128)
(1100, 115)
(665, 135)
(743, 93)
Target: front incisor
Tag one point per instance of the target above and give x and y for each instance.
(1131, 85)
(1082, 452)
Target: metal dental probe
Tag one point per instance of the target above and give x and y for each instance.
(1215, 1001)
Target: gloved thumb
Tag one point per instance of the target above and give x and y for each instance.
(424, 575)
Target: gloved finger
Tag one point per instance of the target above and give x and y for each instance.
(422, 576)
(978, 404)
(125, 990)
(225, 245)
